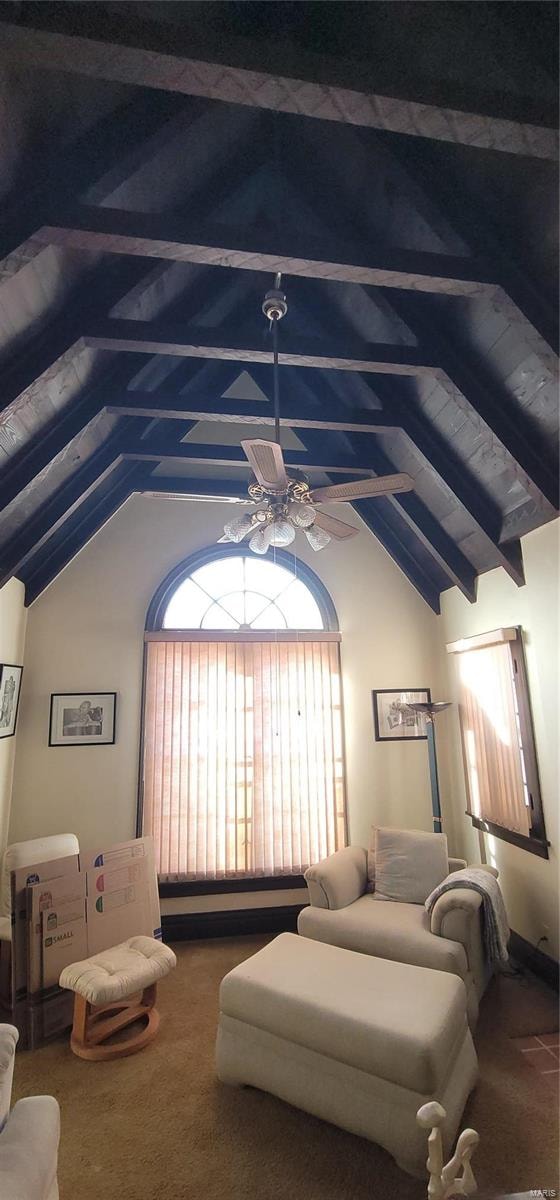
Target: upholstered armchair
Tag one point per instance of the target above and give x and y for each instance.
(344, 913)
(29, 1135)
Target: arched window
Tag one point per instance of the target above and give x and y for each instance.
(242, 731)
(229, 589)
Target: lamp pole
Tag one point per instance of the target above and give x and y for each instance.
(430, 712)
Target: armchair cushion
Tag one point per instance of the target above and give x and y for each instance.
(409, 864)
(400, 932)
(339, 879)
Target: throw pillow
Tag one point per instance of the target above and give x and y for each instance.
(409, 864)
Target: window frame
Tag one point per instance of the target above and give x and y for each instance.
(154, 625)
(162, 597)
(536, 842)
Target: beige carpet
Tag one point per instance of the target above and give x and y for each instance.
(158, 1125)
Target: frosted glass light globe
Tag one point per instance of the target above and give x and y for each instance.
(317, 538)
(235, 530)
(282, 531)
(261, 540)
(302, 515)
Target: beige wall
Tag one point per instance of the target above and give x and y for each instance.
(86, 631)
(529, 883)
(12, 636)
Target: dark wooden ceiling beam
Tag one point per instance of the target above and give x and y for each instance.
(117, 145)
(175, 236)
(372, 513)
(50, 517)
(24, 466)
(446, 464)
(510, 427)
(109, 495)
(473, 223)
(158, 451)
(212, 75)
(410, 509)
(160, 337)
(426, 528)
(201, 407)
(101, 290)
(51, 441)
(483, 512)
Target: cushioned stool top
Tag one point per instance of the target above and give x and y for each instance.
(119, 972)
(401, 1023)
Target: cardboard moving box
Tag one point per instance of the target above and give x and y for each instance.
(63, 912)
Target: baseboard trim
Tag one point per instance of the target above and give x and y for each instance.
(179, 927)
(534, 959)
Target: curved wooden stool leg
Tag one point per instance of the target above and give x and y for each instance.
(92, 1026)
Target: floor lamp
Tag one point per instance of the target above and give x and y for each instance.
(430, 712)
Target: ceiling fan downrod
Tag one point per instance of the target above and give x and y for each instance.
(274, 308)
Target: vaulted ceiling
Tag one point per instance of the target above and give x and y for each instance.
(396, 162)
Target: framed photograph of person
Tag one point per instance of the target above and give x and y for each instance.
(82, 719)
(394, 721)
(10, 687)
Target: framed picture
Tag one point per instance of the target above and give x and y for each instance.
(393, 720)
(82, 718)
(10, 687)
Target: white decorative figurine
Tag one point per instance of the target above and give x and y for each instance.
(445, 1181)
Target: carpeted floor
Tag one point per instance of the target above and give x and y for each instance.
(158, 1125)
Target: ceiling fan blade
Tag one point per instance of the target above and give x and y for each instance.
(360, 489)
(337, 529)
(267, 462)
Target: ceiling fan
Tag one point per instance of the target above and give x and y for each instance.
(285, 503)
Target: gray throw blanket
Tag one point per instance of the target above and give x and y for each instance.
(495, 922)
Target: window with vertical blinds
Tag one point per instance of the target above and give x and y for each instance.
(242, 744)
(498, 744)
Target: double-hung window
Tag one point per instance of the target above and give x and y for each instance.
(242, 760)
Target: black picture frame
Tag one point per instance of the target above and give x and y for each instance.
(382, 718)
(10, 673)
(88, 731)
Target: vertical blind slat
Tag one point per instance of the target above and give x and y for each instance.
(491, 738)
(243, 770)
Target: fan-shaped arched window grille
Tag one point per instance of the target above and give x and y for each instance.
(242, 740)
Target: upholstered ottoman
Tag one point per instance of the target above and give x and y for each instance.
(107, 987)
(359, 1041)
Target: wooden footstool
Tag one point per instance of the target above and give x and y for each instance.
(107, 988)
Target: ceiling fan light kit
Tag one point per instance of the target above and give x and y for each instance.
(286, 503)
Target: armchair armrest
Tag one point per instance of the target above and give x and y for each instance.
(29, 1149)
(453, 912)
(339, 879)
(456, 864)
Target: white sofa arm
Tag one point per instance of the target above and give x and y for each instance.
(339, 879)
(29, 1150)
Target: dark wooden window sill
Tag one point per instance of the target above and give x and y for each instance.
(534, 845)
(214, 887)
